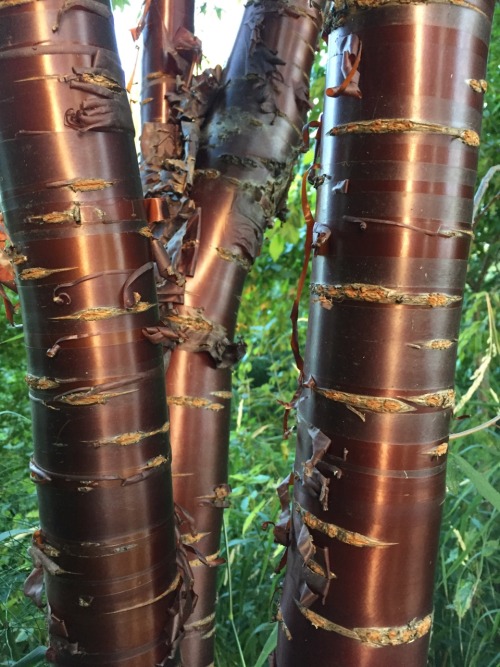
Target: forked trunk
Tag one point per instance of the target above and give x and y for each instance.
(396, 182)
(249, 143)
(72, 201)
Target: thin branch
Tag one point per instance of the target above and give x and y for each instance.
(475, 429)
(481, 191)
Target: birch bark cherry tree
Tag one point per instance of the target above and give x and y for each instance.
(72, 202)
(245, 139)
(395, 185)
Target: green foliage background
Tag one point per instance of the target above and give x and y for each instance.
(467, 614)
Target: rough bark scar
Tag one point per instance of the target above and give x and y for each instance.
(439, 399)
(435, 344)
(328, 294)
(14, 255)
(379, 404)
(477, 85)
(443, 399)
(219, 497)
(400, 125)
(125, 439)
(41, 382)
(194, 402)
(439, 450)
(222, 394)
(101, 313)
(37, 273)
(338, 533)
(188, 538)
(82, 184)
(236, 257)
(57, 217)
(374, 637)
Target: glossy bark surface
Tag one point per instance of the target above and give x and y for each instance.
(249, 142)
(398, 166)
(72, 202)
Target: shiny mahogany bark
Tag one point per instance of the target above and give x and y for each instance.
(246, 126)
(72, 203)
(395, 197)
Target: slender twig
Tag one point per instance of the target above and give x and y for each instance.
(475, 429)
(15, 414)
(483, 186)
(230, 587)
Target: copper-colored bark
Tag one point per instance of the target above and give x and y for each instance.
(249, 143)
(398, 165)
(72, 203)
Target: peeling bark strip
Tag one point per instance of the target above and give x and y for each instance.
(338, 533)
(374, 637)
(328, 294)
(106, 548)
(395, 213)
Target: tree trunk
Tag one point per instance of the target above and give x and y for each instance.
(249, 144)
(396, 183)
(72, 202)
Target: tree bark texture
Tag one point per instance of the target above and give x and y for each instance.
(72, 202)
(395, 188)
(249, 140)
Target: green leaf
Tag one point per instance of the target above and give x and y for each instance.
(12, 338)
(276, 246)
(463, 597)
(479, 480)
(269, 646)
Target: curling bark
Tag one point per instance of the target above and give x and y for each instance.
(249, 141)
(72, 203)
(395, 196)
